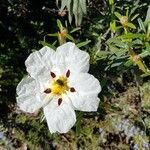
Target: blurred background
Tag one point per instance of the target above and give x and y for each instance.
(116, 34)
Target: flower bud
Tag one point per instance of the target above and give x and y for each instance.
(124, 20)
(135, 58)
(62, 36)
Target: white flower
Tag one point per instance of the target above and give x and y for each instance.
(59, 83)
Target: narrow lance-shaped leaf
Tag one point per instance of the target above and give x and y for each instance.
(59, 24)
(132, 36)
(70, 10)
(47, 44)
(127, 12)
(54, 34)
(147, 19)
(70, 37)
(80, 15)
(128, 63)
(118, 15)
(75, 9)
(144, 54)
(134, 17)
(78, 123)
(63, 4)
(132, 11)
(57, 2)
(113, 26)
(82, 4)
(141, 24)
(147, 46)
(111, 2)
(75, 29)
(131, 25)
(83, 43)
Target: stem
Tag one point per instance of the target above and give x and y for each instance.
(136, 58)
(138, 61)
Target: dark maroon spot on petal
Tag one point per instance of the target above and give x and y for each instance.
(59, 101)
(72, 89)
(68, 73)
(53, 75)
(47, 91)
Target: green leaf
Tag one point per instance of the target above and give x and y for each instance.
(117, 42)
(135, 16)
(134, 9)
(131, 25)
(127, 12)
(144, 54)
(54, 43)
(118, 15)
(147, 19)
(137, 42)
(54, 34)
(141, 24)
(59, 24)
(75, 9)
(79, 15)
(82, 4)
(116, 64)
(132, 36)
(83, 43)
(75, 29)
(57, 2)
(113, 26)
(128, 63)
(102, 54)
(63, 4)
(113, 48)
(70, 37)
(111, 2)
(118, 51)
(70, 10)
(147, 46)
(47, 44)
(119, 27)
(146, 75)
(78, 122)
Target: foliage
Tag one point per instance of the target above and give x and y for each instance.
(116, 33)
(74, 7)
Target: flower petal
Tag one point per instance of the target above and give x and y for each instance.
(29, 98)
(87, 87)
(60, 118)
(75, 59)
(39, 61)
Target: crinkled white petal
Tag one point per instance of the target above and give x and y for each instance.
(44, 81)
(29, 99)
(75, 59)
(87, 88)
(39, 62)
(60, 118)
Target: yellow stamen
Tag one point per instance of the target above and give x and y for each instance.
(60, 86)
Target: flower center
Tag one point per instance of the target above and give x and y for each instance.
(60, 86)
